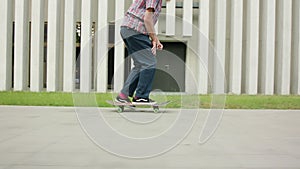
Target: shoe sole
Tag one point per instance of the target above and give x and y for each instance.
(144, 103)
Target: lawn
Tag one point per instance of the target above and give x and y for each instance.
(178, 101)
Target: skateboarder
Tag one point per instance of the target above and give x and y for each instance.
(138, 34)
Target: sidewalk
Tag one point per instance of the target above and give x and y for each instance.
(52, 138)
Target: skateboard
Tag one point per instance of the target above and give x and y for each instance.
(121, 106)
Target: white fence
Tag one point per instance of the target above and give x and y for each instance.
(257, 42)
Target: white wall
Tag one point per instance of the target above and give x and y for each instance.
(237, 41)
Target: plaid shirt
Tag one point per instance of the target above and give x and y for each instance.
(134, 17)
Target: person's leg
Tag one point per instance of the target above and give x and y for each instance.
(141, 76)
(131, 82)
(133, 77)
(133, 85)
(147, 62)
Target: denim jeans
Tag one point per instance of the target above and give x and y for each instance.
(141, 76)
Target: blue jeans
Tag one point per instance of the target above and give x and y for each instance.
(141, 76)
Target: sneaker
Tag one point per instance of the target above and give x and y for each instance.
(120, 99)
(143, 100)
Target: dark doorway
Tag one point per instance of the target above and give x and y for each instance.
(170, 73)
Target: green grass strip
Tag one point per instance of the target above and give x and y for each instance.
(36, 99)
(232, 101)
(262, 102)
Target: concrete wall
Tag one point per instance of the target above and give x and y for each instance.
(234, 46)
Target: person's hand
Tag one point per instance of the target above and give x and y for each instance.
(159, 45)
(156, 45)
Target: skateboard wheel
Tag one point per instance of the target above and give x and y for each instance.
(120, 109)
(155, 109)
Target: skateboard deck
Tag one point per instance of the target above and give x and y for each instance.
(132, 105)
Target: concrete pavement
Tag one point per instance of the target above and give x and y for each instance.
(52, 138)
